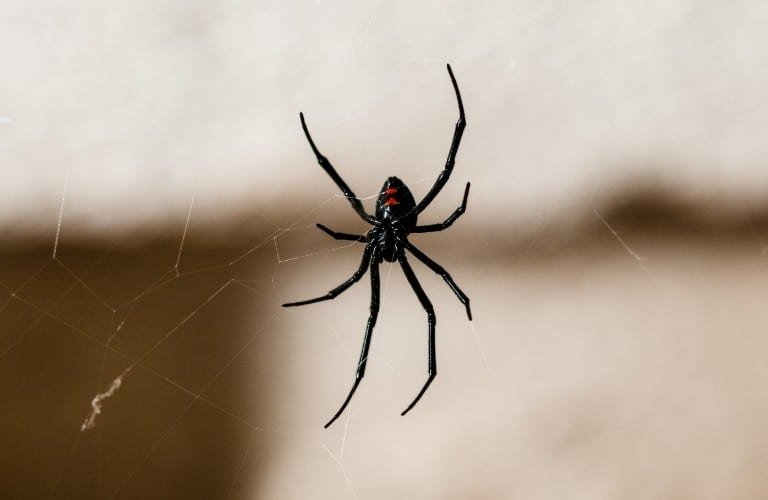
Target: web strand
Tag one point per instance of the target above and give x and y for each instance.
(61, 214)
(121, 313)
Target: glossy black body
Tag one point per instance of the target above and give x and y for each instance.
(396, 216)
(394, 219)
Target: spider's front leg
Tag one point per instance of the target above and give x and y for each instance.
(326, 165)
(341, 236)
(431, 321)
(360, 372)
(429, 228)
(458, 131)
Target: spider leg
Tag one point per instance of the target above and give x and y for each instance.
(437, 268)
(341, 288)
(341, 236)
(431, 320)
(357, 205)
(446, 173)
(447, 222)
(360, 373)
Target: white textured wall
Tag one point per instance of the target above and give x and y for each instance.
(144, 103)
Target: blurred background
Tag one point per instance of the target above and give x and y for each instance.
(158, 202)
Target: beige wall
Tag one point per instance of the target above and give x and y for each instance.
(144, 104)
(158, 205)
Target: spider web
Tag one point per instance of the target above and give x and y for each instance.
(617, 348)
(168, 369)
(150, 343)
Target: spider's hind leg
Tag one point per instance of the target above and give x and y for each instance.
(438, 269)
(431, 321)
(360, 372)
(341, 288)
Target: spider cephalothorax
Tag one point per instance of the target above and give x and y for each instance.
(394, 219)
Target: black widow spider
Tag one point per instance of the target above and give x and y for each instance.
(395, 219)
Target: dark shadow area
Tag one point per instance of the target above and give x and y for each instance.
(644, 215)
(661, 213)
(171, 340)
(168, 350)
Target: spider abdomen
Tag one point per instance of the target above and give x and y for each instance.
(395, 203)
(396, 214)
